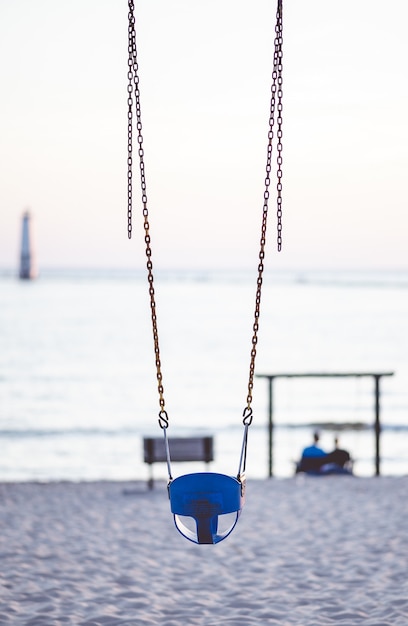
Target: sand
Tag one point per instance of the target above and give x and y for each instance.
(306, 551)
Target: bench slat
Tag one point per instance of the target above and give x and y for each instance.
(182, 449)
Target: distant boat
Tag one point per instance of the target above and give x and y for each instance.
(27, 265)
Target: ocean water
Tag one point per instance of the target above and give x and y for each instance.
(78, 383)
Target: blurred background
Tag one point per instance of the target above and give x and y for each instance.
(77, 375)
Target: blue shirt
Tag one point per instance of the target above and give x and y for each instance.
(313, 451)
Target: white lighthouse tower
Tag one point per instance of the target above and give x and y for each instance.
(27, 266)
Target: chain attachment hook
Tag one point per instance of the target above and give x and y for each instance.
(247, 415)
(163, 419)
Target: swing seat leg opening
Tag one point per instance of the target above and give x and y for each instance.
(206, 506)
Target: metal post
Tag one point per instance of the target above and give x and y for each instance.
(270, 427)
(377, 424)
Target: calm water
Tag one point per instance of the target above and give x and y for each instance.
(77, 373)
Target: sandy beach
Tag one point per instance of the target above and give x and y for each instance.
(306, 551)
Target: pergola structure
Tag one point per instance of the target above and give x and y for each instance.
(377, 422)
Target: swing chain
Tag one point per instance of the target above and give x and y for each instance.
(279, 79)
(133, 87)
(276, 94)
(131, 65)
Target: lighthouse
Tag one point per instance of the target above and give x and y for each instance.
(27, 268)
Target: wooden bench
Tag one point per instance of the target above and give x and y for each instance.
(182, 449)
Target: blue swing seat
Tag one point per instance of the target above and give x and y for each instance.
(206, 506)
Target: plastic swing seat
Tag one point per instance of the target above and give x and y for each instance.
(206, 506)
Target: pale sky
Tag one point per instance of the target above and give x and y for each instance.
(205, 72)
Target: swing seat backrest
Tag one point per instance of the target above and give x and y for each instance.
(206, 506)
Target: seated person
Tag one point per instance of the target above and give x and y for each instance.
(339, 457)
(313, 457)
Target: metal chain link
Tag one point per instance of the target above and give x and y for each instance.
(131, 45)
(276, 93)
(133, 87)
(278, 59)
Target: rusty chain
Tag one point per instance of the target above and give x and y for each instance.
(275, 116)
(133, 88)
(275, 112)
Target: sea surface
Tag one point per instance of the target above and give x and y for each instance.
(78, 387)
